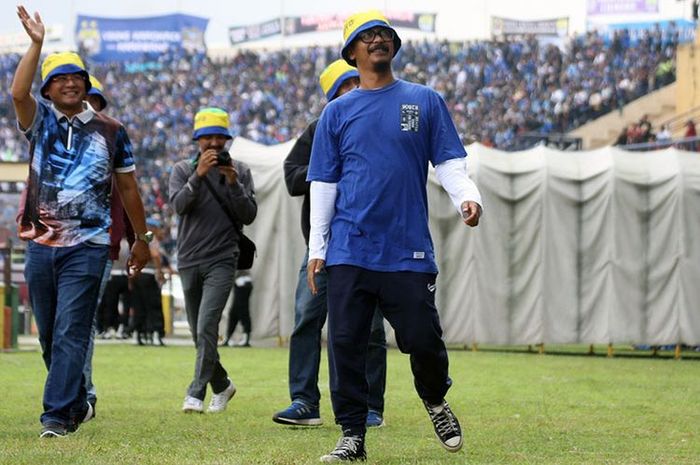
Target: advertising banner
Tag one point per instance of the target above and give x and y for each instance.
(317, 23)
(242, 34)
(128, 39)
(17, 42)
(320, 23)
(621, 7)
(683, 28)
(545, 27)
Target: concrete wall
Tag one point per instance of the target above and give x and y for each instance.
(659, 106)
(688, 76)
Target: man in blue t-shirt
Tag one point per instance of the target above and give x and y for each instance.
(65, 216)
(310, 310)
(369, 227)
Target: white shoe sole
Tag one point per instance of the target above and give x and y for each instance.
(295, 422)
(89, 415)
(233, 393)
(192, 410)
(451, 448)
(51, 435)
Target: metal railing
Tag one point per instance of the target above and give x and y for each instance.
(691, 144)
(557, 140)
(676, 122)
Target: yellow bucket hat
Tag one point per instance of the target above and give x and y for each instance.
(96, 88)
(361, 22)
(211, 121)
(334, 76)
(62, 63)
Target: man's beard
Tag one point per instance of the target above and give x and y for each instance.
(381, 67)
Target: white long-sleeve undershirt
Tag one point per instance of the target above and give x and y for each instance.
(454, 178)
(323, 195)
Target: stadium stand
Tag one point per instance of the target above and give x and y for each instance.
(499, 93)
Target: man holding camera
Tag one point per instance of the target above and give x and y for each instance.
(208, 192)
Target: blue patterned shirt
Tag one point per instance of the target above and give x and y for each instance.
(70, 176)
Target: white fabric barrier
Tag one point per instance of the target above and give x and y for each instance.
(574, 247)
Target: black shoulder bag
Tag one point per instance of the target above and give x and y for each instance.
(246, 247)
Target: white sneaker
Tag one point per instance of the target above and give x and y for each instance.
(219, 401)
(192, 404)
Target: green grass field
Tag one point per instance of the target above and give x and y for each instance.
(515, 408)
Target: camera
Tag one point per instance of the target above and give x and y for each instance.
(223, 159)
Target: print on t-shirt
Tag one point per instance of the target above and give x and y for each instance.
(409, 117)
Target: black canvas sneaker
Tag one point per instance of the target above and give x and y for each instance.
(348, 449)
(446, 426)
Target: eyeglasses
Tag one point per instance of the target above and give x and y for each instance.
(385, 34)
(64, 78)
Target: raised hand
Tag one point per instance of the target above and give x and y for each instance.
(34, 26)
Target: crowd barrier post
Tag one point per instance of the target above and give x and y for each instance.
(167, 304)
(14, 315)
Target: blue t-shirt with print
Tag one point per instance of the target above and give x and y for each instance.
(376, 145)
(70, 177)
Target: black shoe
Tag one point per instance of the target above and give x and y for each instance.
(159, 340)
(78, 418)
(348, 449)
(245, 342)
(446, 426)
(53, 430)
(93, 402)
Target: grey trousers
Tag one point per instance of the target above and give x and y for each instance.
(206, 288)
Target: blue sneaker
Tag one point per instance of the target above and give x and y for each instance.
(374, 419)
(298, 414)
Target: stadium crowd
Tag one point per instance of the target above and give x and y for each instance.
(495, 91)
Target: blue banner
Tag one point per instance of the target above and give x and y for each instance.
(129, 39)
(683, 29)
(622, 7)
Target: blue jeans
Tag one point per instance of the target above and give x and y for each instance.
(305, 346)
(87, 370)
(63, 287)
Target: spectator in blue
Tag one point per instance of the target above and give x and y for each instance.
(369, 226)
(310, 310)
(74, 152)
